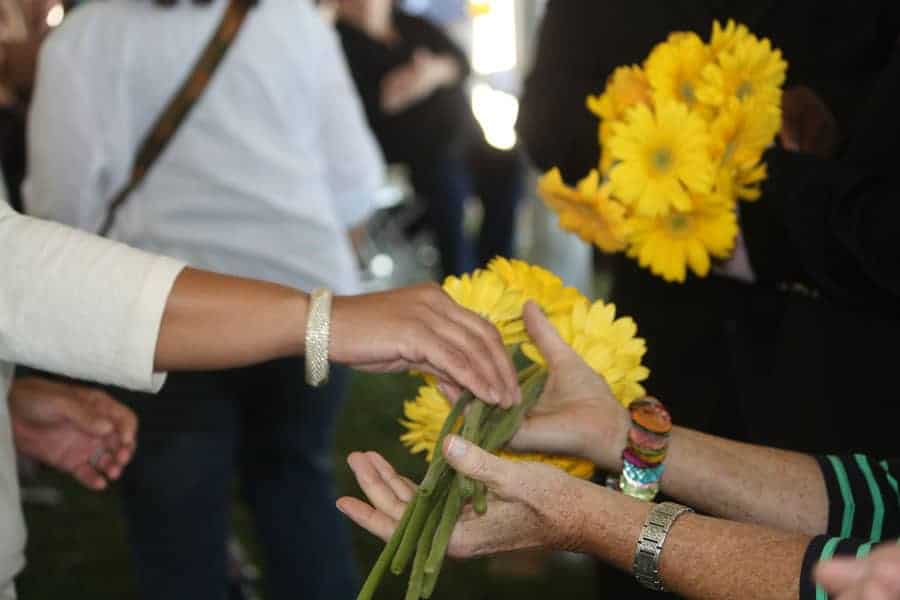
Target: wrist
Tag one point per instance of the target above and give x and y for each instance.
(605, 439)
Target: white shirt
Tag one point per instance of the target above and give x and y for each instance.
(270, 169)
(76, 305)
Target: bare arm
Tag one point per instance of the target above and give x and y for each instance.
(578, 415)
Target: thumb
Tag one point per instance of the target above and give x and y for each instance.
(471, 460)
(838, 574)
(82, 417)
(545, 337)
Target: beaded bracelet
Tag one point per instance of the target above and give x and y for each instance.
(648, 442)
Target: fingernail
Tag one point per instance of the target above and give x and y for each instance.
(338, 506)
(456, 447)
(495, 396)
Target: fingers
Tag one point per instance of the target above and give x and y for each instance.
(474, 347)
(122, 417)
(88, 477)
(401, 486)
(545, 336)
(471, 460)
(379, 492)
(838, 574)
(494, 352)
(367, 517)
(82, 415)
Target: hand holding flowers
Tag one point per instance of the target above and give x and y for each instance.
(682, 138)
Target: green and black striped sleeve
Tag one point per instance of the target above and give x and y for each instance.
(863, 511)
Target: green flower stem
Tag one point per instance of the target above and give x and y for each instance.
(444, 531)
(438, 463)
(411, 534)
(386, 556)
(479, 498)
(509, 424)
(471, 432)
(417, 577)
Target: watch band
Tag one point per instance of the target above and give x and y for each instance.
(650, 543)
(318, 328)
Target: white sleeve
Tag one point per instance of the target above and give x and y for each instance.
(68, 171)
(356, 168)
(80, 305)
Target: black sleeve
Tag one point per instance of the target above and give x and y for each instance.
(863, 510)
(836, 221)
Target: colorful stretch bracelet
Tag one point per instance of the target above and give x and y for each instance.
(648, 442)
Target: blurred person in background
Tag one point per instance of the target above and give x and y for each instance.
(264, 179)
(27, 23)
(412, 80)
(778, 336)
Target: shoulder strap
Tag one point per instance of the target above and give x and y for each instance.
(180, 105)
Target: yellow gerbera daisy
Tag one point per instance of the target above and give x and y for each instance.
(748, 182)
(586, 210)
(535, 283)
(749, 70)
(662, 154)
(670, 244)
(424, 416)
(485, 293)
(607, 344)
(674, 68)
(626, 87)
(725, 39)
(743, 130)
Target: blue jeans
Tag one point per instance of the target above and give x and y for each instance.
(444, 183)
(265, 425)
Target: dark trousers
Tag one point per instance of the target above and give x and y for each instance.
(265, 425)
(444, 183)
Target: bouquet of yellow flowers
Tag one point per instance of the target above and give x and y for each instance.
(499, 293)
(681, 139)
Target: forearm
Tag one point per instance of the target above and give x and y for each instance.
(746, 483)
(702, 557)
(215, 322)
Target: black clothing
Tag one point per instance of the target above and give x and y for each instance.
(441, 143)
(791, 360)
(436, 125)
(708, 335)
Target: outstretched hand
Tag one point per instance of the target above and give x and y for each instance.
(577, 413)
(79, 430)
(421, 328)
(523, 512)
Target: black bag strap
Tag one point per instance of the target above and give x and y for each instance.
(180, 105)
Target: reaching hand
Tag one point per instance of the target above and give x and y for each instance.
(421, 328)
(523, 512)
(79, 430)
(876, 577)
(577, 413)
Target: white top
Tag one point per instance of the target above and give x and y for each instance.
(267, 173)
(76, 305)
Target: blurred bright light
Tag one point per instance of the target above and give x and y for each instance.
(496, 112)
(55, 15)
(382, 265)
(494, 37)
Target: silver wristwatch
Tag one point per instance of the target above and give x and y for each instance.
(650, 543)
